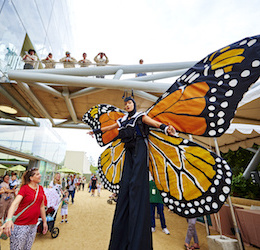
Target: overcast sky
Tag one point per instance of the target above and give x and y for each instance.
(156, 31)
(160, 31)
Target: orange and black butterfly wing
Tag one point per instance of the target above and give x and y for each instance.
(193, 181)
(103, 115)
(203, 100)
(110, 166)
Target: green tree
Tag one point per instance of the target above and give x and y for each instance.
(238, 161)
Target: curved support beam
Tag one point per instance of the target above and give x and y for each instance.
(88, 82)
(159, 76)
(47, 88)
(18, 123)
(110, 70)
(10, 117)
(118, 74)
(145, 95)
(86, 91)
(69, 104)
(17, 104)
(77, 126)
(28, 91)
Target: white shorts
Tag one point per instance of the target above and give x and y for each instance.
(64, 211)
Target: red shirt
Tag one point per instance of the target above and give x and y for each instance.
(29, 216)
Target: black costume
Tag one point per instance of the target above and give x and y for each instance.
(131, 228)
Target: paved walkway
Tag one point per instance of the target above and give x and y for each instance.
(89, 226)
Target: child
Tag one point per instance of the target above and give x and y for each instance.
(64, 207)
(99, 188)
(14, 183)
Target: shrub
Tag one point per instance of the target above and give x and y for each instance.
(244, 188)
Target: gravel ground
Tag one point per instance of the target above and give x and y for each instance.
(90, 220)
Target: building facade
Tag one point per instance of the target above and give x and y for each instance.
(42, 25)
(78, 161)
(41, 146)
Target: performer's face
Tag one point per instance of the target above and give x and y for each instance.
(129, 106)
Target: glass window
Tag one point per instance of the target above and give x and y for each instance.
(45, 9)
(54, 38)
(1, 5)
(12, 34)
(32, 22)
(40, 141)
(59, 33)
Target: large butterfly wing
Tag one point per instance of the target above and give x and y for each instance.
(110, 166)
(103, 115)
(193, 181)
(203, 100)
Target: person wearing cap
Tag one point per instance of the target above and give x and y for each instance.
(131, 227)
(68, 61)
(49, 62)
(30, 59)
(84, 62)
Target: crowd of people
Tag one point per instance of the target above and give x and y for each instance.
(30, 59)
(26, 201)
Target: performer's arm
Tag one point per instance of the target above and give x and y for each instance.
(149, 121)
(104, 129)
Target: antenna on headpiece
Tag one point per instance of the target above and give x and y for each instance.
(124, 95)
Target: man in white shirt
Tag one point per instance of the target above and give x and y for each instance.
(84, 62)
(30, 59)
(68, 61)
(101, 59)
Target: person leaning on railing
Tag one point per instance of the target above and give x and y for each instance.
(101, 59)
(68, 61)
(84, 62)
(49, 62)
(30, 59)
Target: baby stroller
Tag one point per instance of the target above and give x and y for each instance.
(53, 203)
(112, 198)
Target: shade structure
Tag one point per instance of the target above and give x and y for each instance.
(248, 108)
(67, 171)
(2, 166)
(19, 168)
(237, 135)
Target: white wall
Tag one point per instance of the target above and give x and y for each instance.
(78, 161)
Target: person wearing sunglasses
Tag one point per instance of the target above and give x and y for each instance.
(28, 206)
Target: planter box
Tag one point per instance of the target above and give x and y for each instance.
(217, 242)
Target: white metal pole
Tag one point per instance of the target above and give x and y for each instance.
(237, 232)
(88, 82)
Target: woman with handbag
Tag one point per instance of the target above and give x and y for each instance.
(27, 207)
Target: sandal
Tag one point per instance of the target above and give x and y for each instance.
(187, 247)
(193, 247)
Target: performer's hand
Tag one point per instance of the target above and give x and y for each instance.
(91, 133)
(171, 130)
